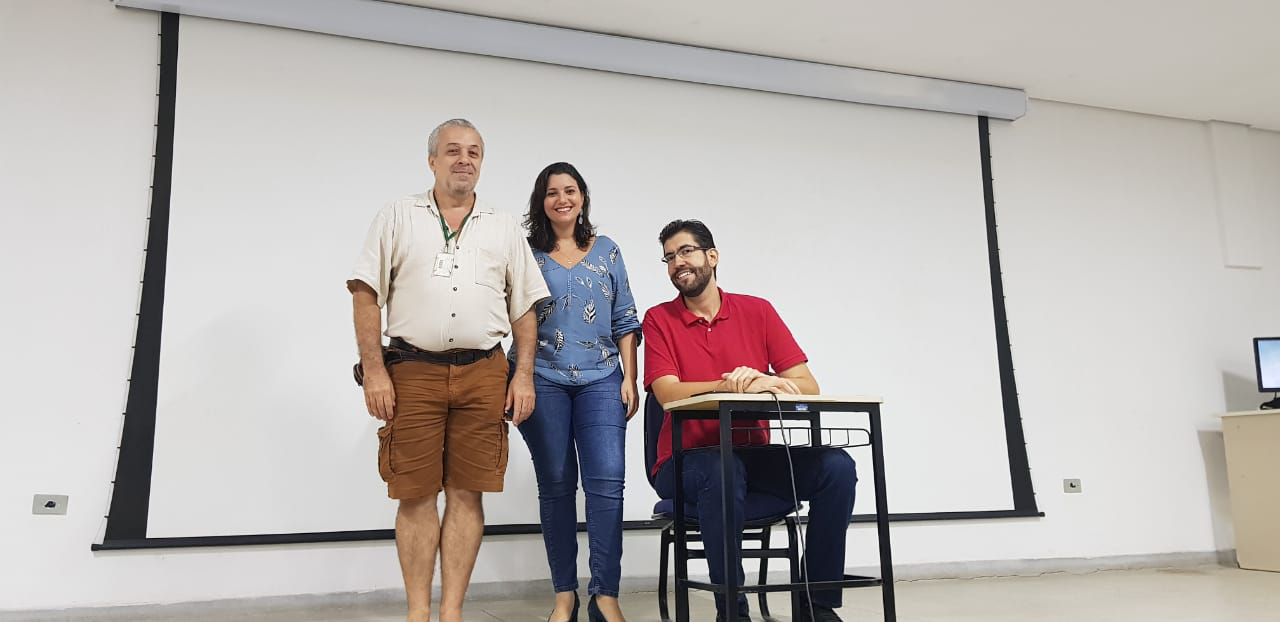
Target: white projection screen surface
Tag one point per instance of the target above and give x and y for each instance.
(863, 225)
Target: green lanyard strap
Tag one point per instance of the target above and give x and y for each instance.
(444, 226)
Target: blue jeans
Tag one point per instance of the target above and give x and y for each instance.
(585, 426)
(824, 477)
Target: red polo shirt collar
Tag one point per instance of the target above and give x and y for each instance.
(690, 318)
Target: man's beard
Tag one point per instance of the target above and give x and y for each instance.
(701, 278)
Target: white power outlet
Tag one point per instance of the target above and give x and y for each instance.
(49, 504)
(1071, 486)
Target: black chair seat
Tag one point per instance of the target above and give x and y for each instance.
(761, 510)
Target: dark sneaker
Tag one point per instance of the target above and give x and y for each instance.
(816, 613)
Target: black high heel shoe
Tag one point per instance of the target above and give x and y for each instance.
(593, 611)
(573, 615)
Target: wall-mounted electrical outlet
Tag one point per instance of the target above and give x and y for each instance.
(1071, 485)
(49, 504)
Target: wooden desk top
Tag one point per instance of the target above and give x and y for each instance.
(1246, 413)
(711, 401)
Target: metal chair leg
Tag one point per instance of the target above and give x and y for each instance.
(793, 557)
(765, 532)
(667, 539)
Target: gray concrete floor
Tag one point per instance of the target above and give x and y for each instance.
(1201, 594)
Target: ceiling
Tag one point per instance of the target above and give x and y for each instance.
(1192, 59)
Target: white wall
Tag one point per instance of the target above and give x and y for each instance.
(1128, 334)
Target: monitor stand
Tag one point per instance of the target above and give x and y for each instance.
(1273, 404)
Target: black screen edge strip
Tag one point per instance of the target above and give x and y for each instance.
(1024, 494)
(491, 530)
(131, 493)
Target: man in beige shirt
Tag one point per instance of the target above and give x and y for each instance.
(456, 277)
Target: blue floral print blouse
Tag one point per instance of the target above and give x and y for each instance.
(590, 309)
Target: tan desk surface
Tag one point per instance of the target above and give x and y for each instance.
(711, 401)
(1246, 413)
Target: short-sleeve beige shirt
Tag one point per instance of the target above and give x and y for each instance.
(493, 278)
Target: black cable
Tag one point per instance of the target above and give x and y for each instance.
(795, 500)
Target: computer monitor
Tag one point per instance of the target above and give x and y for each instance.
(1266, 356)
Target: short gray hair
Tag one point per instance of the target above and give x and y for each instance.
(433, 141)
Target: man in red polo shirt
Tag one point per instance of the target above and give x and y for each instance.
(710, 340)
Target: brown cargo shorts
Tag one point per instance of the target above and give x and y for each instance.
(447, 429)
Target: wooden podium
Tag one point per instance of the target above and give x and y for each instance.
(1252, 440)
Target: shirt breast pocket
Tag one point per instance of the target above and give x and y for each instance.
(491, 271)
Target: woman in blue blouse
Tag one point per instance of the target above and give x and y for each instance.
(585, 378)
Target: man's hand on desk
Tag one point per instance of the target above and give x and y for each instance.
(771, 384)
(739, 379)
(793, 381)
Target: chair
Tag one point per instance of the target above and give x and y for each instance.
(761, 513)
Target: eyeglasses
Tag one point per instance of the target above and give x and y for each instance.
(684, 252)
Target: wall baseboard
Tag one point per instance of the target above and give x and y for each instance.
(630, 585)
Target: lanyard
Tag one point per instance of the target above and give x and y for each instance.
(444, 226)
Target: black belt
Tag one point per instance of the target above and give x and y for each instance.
(400, 350)
(410, 352)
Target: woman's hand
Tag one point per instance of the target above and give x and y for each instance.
(630, 397)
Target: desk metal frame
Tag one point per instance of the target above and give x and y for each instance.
(753, 410)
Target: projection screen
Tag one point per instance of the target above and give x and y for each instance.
(863, 225)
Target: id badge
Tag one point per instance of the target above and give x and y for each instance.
(444, 264)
